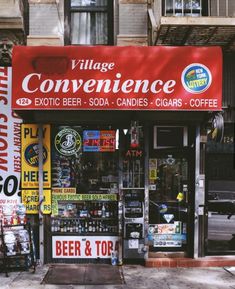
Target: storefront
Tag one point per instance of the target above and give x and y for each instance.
(111, 147)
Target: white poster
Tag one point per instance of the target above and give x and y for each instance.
(83, 246)
(10, 159)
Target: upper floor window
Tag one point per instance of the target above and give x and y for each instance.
(182, 7)
(89, 22)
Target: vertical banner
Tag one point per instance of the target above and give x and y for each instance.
(30, 167)
(10, 145)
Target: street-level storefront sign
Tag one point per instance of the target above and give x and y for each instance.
(117, 78)
(83, 246)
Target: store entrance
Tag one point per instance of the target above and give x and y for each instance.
(170, 200)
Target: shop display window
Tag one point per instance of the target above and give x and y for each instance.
(168, 203)
(85, 159)
(220, 193)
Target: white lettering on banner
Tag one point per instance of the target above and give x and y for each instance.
(132, 102)
(89, 64)
(32, 83)
(176, 102)
(203, 102)
(83, 247)
(10, 143)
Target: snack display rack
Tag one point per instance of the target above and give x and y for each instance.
(17, 246)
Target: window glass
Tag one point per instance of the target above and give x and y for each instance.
(89, 28)
(168, 203)
(183, 7)
(85, 159)
(88, 3)
(220, 194)
(90, 22)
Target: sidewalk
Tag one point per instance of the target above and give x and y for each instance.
(136, 277)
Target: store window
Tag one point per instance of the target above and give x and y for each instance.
(89, 22)
(220, 194)
(184, 8)
(84, 190)
(84, 159)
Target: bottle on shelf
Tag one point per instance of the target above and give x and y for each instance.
(90, 227)
(99, 213)
(107, 211)
(103, 211)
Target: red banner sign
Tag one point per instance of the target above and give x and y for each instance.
(117, 78)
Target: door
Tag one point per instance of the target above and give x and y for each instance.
(170, 196)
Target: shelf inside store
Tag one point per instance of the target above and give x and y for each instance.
(83, 234)
(133, 188)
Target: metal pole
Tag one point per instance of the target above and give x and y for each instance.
(209, 8)
(226, 8)
(197, 172)
(146, 188)
(199, 210)
(40, 185)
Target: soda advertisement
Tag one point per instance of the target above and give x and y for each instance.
(117, 78)
(83, 247)
(10, 144)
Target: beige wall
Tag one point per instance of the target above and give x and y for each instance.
(132, 23)
(46, 22)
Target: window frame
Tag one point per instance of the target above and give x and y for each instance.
(89, 9)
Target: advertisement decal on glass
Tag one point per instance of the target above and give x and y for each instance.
(68, 142)
(168, 217)
(99, 140)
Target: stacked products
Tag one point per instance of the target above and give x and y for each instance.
(13, 215)
(15, 237)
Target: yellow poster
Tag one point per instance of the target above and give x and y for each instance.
(30, 199)
(30, 156)
(152, 169)
(153, 174)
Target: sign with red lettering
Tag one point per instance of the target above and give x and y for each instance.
(83, 247)
(10, 145)
(117, 78)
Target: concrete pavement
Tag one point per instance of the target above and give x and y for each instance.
(136, 277)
